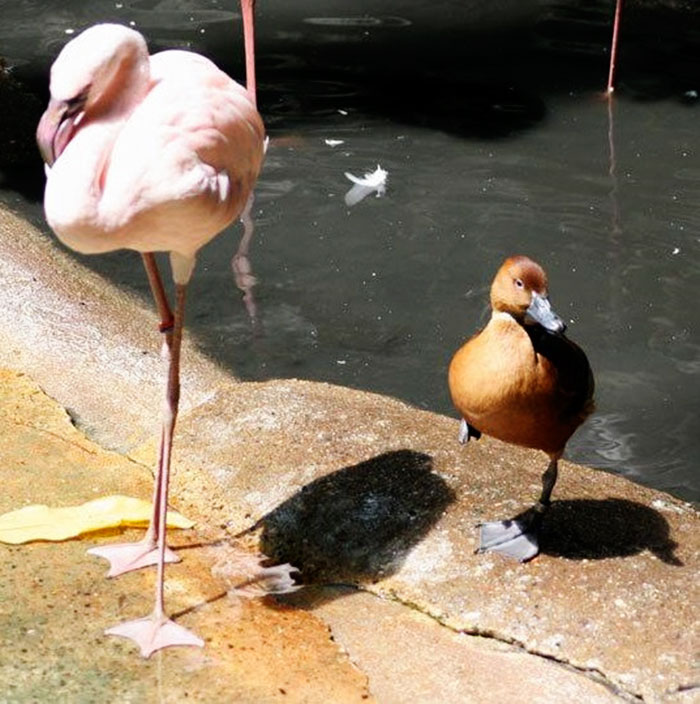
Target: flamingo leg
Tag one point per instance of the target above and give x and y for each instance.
(126, 557)
(248, 12)
(157, 631)
(158, 290)
(240, 262)
(518, 537)
(613, 47)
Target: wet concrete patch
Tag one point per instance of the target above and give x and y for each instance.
(55, 600)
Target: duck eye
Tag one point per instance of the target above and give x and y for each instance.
(519, 283)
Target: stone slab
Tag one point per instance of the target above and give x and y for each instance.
(430, 663)
(356, 488)
(55, 601)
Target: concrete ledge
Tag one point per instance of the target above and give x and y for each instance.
(88, 344)
(357, 489)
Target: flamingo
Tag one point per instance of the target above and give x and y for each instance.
(149, 153)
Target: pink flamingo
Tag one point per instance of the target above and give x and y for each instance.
(150, 153)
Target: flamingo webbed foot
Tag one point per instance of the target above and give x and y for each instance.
(154, 633)
(127, 557)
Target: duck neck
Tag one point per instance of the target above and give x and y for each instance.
(501, 315)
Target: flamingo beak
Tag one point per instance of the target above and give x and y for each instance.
(56, 127)
(540, 311)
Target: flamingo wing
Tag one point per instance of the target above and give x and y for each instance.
(184, 163)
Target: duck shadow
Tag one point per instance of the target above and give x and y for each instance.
(598, 529)
(358, 523)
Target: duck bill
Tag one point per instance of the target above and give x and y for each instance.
(540, 311)
(54, 131)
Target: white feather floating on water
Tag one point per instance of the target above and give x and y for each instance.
(371, 182)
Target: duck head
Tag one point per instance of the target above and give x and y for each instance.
(520, 290)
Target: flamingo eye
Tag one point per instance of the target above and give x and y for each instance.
(519, 283)
(76, 104)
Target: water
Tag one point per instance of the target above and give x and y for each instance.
(497, 141)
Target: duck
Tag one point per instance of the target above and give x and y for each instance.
(522, 381)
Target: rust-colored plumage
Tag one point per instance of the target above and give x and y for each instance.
(520, 379)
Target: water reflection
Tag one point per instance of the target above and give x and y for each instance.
(172, 14)
(242, 268)
(364, 21)
(612, 443)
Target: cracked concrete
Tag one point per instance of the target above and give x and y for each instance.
(433, 662)
(354, 489)
(618, 560)
(55, 600)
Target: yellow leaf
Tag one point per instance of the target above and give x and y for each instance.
(40, 522)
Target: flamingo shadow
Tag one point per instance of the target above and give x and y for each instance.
(358, 523)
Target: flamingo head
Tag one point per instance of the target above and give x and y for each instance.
(88, 76)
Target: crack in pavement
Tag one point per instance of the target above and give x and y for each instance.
(591, 673)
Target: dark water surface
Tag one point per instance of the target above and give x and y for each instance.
(490, 122)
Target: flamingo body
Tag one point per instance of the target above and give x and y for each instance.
(162, 159)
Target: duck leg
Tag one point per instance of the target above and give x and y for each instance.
(126, 557)
(517, 537)
(157, 631)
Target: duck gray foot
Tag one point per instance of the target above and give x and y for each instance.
(516, 537)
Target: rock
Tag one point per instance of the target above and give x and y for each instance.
(56, 601)
(351, 488)
(356, 488)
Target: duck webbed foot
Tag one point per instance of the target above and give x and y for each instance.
(467, 432)
(515, 537)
